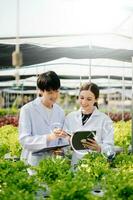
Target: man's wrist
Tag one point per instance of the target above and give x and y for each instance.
(99, 149)
(49, 137)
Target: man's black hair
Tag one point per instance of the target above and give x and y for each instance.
(48, 81)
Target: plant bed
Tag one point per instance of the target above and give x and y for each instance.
(6, 120)
(9, 141)
(8, 156)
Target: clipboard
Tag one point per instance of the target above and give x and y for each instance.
(49, 149)
(79, 136)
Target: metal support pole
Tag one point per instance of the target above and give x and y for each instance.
(132, 111)
(123, 96)
(108, 95)
(90, 47)
(89, 70)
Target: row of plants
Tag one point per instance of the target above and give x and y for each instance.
(93, 178)
(9, 137)
(122, 134)
(8, 111)
(9, 142)
(5, 120)
(9, 119)
(126, 116)
(11, 116)
(15, 183)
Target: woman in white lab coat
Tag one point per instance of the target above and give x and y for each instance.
(89, 118)
(41, 120)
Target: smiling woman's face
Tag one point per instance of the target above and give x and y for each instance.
(86, 101)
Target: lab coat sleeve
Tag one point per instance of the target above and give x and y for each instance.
(66, 126)
(33, 143)
(107, 135)
(27, 140)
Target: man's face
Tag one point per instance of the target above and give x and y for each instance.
(50, 97)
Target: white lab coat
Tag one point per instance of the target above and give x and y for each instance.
(34, 126)
(98, 122)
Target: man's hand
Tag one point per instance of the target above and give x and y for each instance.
(57, 133)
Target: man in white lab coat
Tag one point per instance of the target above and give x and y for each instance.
(89, 118)
(41, 120)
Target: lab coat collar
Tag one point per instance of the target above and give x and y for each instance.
(39, 107)
(95, 112)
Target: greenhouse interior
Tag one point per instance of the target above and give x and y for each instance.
(84, 42)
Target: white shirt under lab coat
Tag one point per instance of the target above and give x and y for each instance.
(34, 127)
(98, 122)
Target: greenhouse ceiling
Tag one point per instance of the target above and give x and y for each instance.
(53, 29)
(34, 54)
(85, 33)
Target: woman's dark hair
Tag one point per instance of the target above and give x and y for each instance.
(48, 81)
(93, 88)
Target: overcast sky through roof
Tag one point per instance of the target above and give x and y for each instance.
(50, 17)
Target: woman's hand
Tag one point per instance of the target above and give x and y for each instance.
(92, 144)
